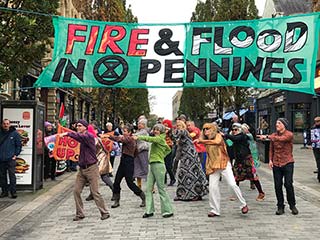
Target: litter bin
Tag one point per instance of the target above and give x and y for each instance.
(263, 149)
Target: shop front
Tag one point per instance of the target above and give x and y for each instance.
(296, 107)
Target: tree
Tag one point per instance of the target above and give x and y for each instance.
(126, 104)
(133, 103)
(194, 103)
(24, 37)
(231, 10)
(224, 10)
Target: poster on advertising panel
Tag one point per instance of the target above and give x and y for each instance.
(22, 120)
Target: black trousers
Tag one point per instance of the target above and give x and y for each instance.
(286, 173)
(10, 168)
(125, 170)
(316, 154)
(168, 163)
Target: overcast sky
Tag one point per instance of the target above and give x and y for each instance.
(166, 11)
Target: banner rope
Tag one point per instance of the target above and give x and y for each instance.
(26, 12)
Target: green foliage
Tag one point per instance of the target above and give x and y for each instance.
(218, 98)
(132, 103)
(230, 10)
(126, 104)
(24, 38)
(194, 103)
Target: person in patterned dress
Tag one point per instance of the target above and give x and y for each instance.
(192, 182)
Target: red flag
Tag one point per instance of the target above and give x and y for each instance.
(61, 113)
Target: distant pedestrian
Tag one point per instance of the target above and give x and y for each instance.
(88, 172)
(282, 164)
(157, 170)
(315, 143)
(217, 165)
(10, 148)
(109, 129)
(49, 161)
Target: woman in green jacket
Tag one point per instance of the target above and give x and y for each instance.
(157, 170)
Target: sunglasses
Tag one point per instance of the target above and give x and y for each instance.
(205, 129)
(235, 129)
(79, 125)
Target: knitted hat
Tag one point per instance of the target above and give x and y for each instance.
(284, 121)
(159, 127)
(47, 124)
(83, 122)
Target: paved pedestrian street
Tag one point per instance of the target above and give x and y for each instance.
(52, 217)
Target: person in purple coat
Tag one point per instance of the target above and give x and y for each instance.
(88, 170)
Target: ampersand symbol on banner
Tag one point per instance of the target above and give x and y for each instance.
(165, 38)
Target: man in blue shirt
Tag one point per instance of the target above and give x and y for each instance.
(10, 148)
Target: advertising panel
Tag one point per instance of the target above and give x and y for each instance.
(22, 120)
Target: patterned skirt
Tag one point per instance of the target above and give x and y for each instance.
(244, 169)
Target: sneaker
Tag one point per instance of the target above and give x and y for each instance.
(294, 210)
(280, 211)
(260, 197)
(245, 209)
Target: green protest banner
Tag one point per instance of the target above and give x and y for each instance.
(276, 53)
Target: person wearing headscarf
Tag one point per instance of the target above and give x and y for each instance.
(192, 181)
(157, 170)
(217, 165)
(282, 164)
(243, 164)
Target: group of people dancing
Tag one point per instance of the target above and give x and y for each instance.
(151, 154)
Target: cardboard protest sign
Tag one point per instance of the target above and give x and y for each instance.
(66, 148)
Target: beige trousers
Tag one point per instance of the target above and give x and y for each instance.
(91, 175)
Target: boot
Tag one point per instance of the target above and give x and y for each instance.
(143, 198)
(89, 198)
(116, 197)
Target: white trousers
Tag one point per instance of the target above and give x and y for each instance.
(214, 188)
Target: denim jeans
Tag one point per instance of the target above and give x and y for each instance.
(286, 173)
